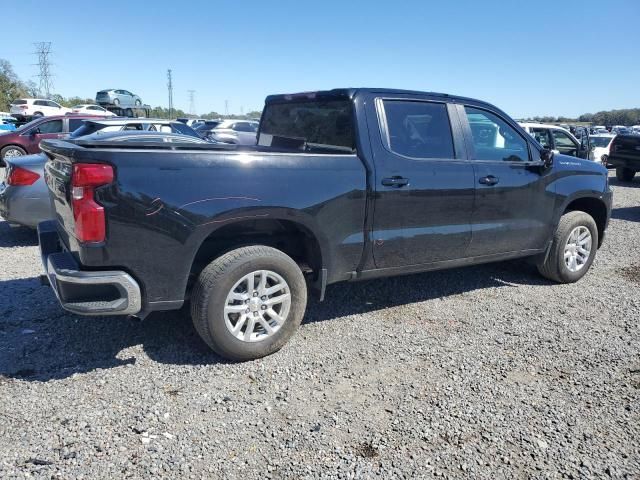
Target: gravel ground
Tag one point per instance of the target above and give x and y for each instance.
(487, 372)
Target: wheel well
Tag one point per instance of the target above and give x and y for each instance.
(594, 207)
(290, 237)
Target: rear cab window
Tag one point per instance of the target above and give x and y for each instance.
(307, 124)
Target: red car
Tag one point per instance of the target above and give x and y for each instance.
(26, 139)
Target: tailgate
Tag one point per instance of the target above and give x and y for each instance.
(626, 147)
(57, 175)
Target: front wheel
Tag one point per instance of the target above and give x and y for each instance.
(138, 102)
(625, 174)
(573, 248)
(249, 302)
(116, 102)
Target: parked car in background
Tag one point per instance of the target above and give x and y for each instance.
(238, 132)
(141, 137)
(7, 123)
(107, 125)
(557, 139)
(636, 129)
(345, 185)
(26, 139)
(24, 198)
(621, 130)
(90, 109)
(600, 145)
(624, 154)
(118, 98)
(25, 109)
(204, 129)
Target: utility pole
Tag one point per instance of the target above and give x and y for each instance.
(43, 50)
(192, 102)
(170, 88)
(226, 108)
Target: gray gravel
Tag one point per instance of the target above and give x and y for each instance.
(487, 372)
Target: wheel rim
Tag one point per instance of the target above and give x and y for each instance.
(578, 249)
(257, 306)
(605, 160)
(12, 153)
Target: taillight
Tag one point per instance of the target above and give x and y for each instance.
(87, 213)
(21, 177)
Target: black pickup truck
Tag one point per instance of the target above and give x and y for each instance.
(624, 154)
(347, 184)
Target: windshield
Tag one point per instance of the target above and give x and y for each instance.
(28, 125)
(600, 141)
(323, 123)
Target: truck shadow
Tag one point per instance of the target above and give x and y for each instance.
(617, 183)
(631, 214)
(44, 343)
(17, 237)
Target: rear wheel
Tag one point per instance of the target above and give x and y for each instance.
(605, 160)
(573, 248)
(12, 151)
(249, 302)
(625, 174)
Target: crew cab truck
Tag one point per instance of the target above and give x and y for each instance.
(343, 185)
(624, 155)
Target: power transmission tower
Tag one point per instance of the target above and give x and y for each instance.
(43, 50)
(170, 88)
(192, 102)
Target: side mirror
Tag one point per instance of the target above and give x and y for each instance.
(34, 132)
(546, 155)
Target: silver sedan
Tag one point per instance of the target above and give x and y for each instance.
(24, 197)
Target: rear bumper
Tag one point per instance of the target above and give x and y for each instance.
(85, 292)
(631, 163)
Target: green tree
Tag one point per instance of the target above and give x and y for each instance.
(11, 87)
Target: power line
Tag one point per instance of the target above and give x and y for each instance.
(170, 88)
(192, 102)
(43, 50)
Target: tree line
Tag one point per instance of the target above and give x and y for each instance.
(12, 87)
(626, 116)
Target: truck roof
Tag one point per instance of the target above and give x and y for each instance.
(352, 92)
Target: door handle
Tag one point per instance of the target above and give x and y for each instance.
(395, 181)
(489, 180)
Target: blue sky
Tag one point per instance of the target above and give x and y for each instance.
(540, 57)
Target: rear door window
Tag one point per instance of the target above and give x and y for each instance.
(74, 124)
(418, 129)
(494, 139)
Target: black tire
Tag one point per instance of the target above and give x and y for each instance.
(116, 102)
(210, 292)
(605, 160)
(625, 174)
(128, 113)
(138, 103)
(554, 267)
(11, 147)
